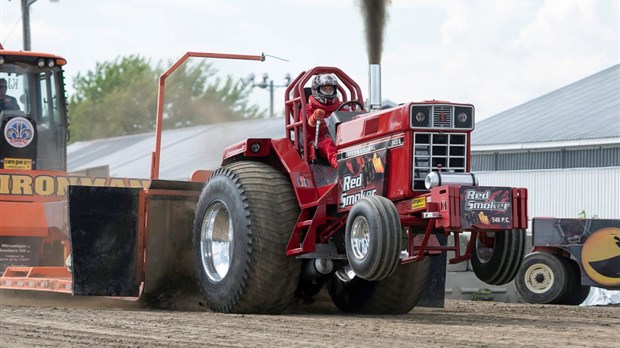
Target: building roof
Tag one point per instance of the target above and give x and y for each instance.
(182, 151)
(586, 111)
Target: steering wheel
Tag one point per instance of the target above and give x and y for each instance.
(350, 102)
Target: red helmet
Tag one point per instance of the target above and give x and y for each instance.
(325, 88)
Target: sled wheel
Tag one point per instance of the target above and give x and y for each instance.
(245, 216)
(575, 293)
(397, 294)
(372, 238)
(542, 278)
(497, 263)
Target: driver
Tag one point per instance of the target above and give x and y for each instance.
(6, 101)
(323, 101)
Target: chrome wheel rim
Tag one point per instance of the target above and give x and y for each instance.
(345, 274)
(360, 237)
(216, 241)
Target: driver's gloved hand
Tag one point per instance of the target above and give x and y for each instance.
(317, 115)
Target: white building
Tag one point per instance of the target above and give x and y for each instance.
(563, 146)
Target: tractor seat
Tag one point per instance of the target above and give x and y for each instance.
(307, 93)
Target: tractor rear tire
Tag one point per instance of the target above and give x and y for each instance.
(575, 293)
(397, 294)
(245, 216)
(500, 263)
(543, 278)
(373, 238)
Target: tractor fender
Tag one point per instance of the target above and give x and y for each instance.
(281, 155)
(251, 147)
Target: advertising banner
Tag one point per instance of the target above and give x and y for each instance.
(18, 251)
(486, 206)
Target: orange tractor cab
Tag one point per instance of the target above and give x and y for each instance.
(274, 224)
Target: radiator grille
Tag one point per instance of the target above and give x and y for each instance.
(434, 150)
(442, 116)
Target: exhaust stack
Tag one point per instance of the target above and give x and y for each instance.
(374, 86)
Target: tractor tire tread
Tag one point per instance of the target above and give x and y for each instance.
(397, 294)
(504, 264)
(267, 278)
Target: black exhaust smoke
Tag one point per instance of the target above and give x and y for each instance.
(374, 20)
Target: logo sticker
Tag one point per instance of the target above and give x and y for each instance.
(418, 203)
(19, 132)
(17, 163)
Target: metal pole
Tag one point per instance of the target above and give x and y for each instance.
(26, 23)
(271, 87)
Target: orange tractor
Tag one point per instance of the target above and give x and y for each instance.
(274, 224)
(33, 180)
(34, 228)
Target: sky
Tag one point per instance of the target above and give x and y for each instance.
(493, 54)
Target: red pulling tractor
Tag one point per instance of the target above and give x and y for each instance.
(275, 223)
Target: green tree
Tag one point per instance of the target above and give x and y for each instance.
(114, 99)
(195, 95)
(120, 98)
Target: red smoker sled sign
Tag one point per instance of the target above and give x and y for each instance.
(486, 206)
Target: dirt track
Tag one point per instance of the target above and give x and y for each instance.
(460, 323)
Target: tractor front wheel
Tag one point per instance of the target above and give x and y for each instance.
(496, 257)
(245, 215)
(373, 238)
(396, 294)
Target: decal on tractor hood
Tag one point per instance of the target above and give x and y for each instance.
(369, 148)
(361, 176)
(19, 132)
